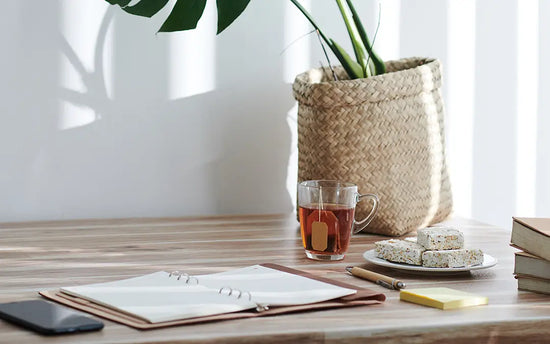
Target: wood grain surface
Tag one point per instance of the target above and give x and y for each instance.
(46, 255)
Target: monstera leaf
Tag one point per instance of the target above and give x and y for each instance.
(186, 13)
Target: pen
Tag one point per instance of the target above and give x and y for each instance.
(384, 281)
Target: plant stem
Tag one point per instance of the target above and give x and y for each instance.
(326, 55)
(379, 65)
(353, 35)
(310, 18)
(349, 64)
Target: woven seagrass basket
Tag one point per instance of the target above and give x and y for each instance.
(384, 133)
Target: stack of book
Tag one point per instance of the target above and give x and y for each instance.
(532, 266)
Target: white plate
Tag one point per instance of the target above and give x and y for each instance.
(370, 256)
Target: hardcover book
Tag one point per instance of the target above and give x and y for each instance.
(532, 235)
(530, 283)
(528, 264)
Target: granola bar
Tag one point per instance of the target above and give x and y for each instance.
(440, 238)
(452, 258)
(400, 251)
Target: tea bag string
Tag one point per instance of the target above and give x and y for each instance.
(320, 201)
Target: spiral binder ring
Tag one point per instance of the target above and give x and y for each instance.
(232, 291)
(188, 278)
(228, 291)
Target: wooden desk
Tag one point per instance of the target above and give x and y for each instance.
(47, 255)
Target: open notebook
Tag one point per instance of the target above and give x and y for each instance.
(268, 284)
(160, 296)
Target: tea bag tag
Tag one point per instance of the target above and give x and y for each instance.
(319, 236)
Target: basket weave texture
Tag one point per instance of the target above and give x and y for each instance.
(384, 133)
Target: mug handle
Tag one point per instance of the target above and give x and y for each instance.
(360, 225)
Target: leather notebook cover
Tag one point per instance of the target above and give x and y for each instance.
(363, 296)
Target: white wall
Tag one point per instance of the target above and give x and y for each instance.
(101, 117)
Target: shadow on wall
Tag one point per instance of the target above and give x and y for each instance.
(224, 151)
(28, 102)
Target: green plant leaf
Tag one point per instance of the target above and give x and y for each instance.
(228, 11)
(121, 3)
(354, 69)
(184, 16)
(372, 68)
(144, 8)
(379, 65)
(358, 48)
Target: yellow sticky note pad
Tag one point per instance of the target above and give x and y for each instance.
(442, 298)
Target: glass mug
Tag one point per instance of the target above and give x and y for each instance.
(326, 209)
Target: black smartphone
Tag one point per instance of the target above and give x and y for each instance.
(47, 317)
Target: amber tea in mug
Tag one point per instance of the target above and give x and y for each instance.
(326, 211)
(333, 221)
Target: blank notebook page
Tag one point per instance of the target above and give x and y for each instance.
(157, 297)
(275, 287)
